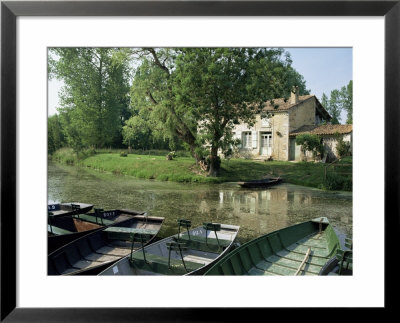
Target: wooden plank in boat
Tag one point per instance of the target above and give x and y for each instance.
(56, 230)
(101, 257)
(159, 264)
(125, 233)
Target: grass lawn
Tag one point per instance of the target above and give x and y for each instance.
(183, 169)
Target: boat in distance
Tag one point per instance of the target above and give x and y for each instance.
(92, 253)
(64, 229)
(300, 249)
(187, 253)
(260, 183)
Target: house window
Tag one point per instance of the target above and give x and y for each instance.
(246, 139)
(265, 122)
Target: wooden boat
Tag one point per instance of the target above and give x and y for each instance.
(261, 183)
(188, 253)
(301, 249)
(92, 253)
(62, 209)
(64, 229)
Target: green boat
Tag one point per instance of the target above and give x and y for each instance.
(301, 249)
(188, 253)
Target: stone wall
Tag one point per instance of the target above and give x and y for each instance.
(280, 136)
(330, 143)
(302, 114)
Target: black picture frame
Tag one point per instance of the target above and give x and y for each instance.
(10, 10)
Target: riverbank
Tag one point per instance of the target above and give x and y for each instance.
(183, 169)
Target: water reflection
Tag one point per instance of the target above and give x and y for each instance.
(256, 211)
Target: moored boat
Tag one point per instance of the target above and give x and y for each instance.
(301, 249)
(64, 229)
(187, 253)
(92, 253)
(261, 183)
(62, 209)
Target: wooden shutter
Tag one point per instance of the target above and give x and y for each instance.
(254, 139)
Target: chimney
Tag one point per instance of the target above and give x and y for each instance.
(294, 95)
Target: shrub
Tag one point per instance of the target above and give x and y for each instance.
(336, 182)
(343, 147)
(171, 155)
(123, 154)
(312, 143)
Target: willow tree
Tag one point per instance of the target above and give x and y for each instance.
(94, 100)
(199, 94)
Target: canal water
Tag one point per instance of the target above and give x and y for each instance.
(257, 212)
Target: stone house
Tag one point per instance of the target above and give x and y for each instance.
(272, 134)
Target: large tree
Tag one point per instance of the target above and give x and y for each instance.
(346, 93)
(55, 136)
(198, 94)
(339, 100)
(95, 98)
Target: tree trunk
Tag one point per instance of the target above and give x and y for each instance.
(214, 165)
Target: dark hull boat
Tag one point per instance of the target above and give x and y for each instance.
(262, 183)
(64, 229)
(189, 253)
(301, 249)
(62, 209)
(95, 251)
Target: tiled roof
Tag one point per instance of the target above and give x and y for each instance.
(280, 104)
(328, 129)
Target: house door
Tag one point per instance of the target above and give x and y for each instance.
(266, 144)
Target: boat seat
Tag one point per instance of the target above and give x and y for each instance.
(124, 233)
(91, 218)
(159, 264)
(203, 244)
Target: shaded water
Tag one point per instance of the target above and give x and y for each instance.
(256, 211)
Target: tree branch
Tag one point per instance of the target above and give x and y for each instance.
(157, 61)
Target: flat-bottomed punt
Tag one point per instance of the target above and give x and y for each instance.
(301, 249)
(261, 183)
(63, 229)
(62, 209)
(95, 251)
(188, 253)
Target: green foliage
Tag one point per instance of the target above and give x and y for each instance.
(342, 147)
(347, 101)
(336, 182)
(123, 154)
(65, 156)
(94, 100)
(340, 100)
(55, 136)
(69, 156)
(312, 143)
(171, 155)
